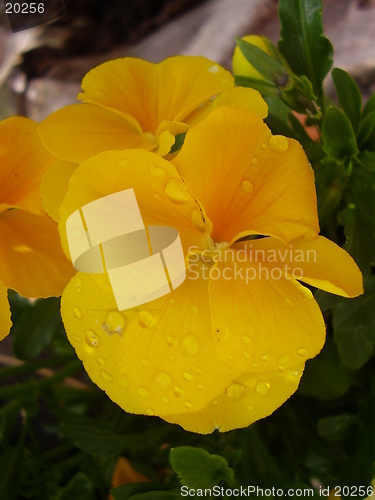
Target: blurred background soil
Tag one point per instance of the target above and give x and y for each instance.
(41, 68)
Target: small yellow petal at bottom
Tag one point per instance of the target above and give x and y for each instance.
(5, 321)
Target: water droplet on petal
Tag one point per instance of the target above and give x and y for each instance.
(150, 412)
(265, 357)
(142, 392)
(177, 192)
(249, 407)
(190, 345)
(214, 69)
(194, 309)
(77, 313)
(255, 161)
(294, 373)
(123, 381)
(197, 220)
(144, 362)
(264, 146)
(198, 372)
(278, 143)
(163, 380)
(306, 293)
(101, 361)
(188, 377)
(200, 387)
(262, 388)
(235, 391)
(122, 163)
(145, 319)
(165, 400)
(76, 339)
(171, 341)
(247, 186)
(106, 376)
(246, 355)
(246, 340)
(114, 323)
(178, 392)
(91, 338)
(77, 285)
(188, 405)
(215, 402)
(254, 365)
(156, 170)
(302, 352)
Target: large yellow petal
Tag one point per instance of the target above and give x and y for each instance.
(23, 160)
(270, 322)
(152, 93)
(79, 131)
(318, 262)
(31, 259)
(162, 197)
(248, 399)
(5, 321)
(158, 358)
(247, 180)
(55, 185)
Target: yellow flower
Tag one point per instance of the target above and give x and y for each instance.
(131, 103)
(241, 65)
(31, 259)
(217, 352)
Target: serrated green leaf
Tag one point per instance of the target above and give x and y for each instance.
(270, 69)
(35, 327)
(198, 469)
(339, 140)
(354, 327)
(302, 42)
(349, 95)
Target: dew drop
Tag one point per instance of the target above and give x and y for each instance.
(262, 388)
(194, 309)
(171, 341)
(278, 143)
(302, 352)
(235, 391)
(145, 319)
(76, 339)
(106, 376)
(246, 354)
(249, 407)
(163, 380)
(188, 405)
(142, 392)
(123, 381)
(91, 338)
(77, 313)
(198, 372)
(190, 345)
(254, 365)
(264, 146)
(247, 186)
(150, 412)
(246, 340)
(215, 403)
(144, 362)
(214, 69)
(122, 163)
(178, 392)
(77, 285)
(165, 400)
(114, 323)
(197, 220)
(306, 293)
(101, 361)
(156, 170)
(188, 377)
(265, 357)
(177, 192)
(294, 373)
(200, 387)
(255, 161)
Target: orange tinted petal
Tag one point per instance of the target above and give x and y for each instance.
(152, 93)
(31, 259)
(24, 161)
(79, 131)
(248, 181)
(55, 185)
(5, 321)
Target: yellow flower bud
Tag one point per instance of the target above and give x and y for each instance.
(239, 63)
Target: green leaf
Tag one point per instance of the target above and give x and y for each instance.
(367, 160)
(327, 300)
(338, 135)
(370, 106)
(34, 329)
(140, 490)
(9, 468)
(334, 428)
(178, 142)
(95, 441)
(264, 88)
(349, 95)
(270, 69)
(354, 327)
(198, 469)
(79, 488)
(325, 377)
(366, 132)
(302, 42)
